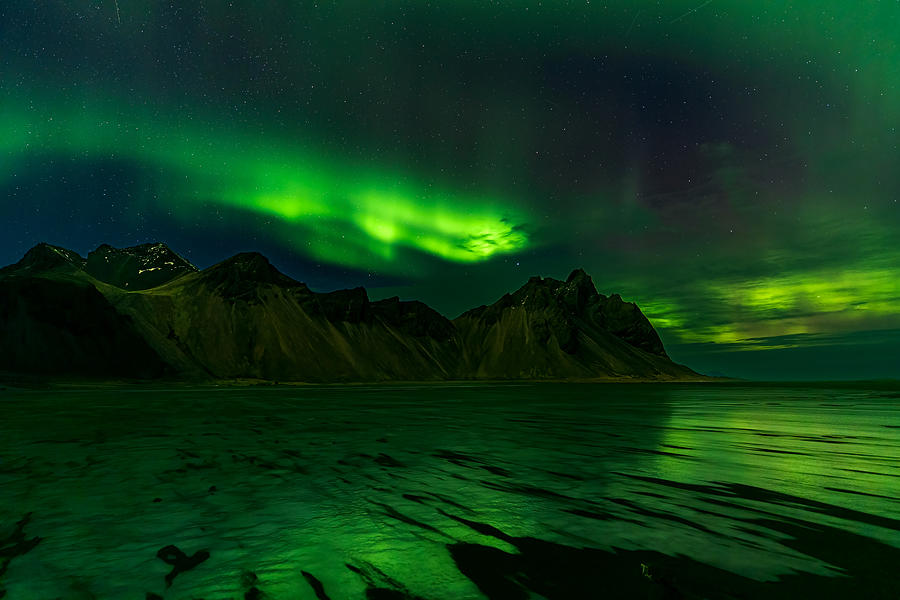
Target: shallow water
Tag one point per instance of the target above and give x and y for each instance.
(553, 491)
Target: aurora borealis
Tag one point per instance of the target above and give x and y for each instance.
(730, 166)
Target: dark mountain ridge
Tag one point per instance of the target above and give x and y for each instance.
(562, 329)
(45, 257)
(138, 267)
(242, 318)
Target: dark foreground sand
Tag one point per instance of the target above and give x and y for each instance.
(554, 491)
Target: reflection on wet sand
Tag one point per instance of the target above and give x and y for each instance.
(557, 491)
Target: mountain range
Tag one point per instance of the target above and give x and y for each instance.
(145, 312)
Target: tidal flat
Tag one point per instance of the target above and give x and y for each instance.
(451, 492)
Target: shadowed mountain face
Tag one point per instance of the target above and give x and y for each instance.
(551, 328)
(242, 318)
(69, 328)
(241, 276)
(45, 257)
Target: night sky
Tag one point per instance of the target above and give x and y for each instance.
(731, 166)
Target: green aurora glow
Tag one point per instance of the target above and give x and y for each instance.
(731, 166)
(359, 214)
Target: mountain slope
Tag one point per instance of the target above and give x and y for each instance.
(242, 318)
(61, 327)
(137, 267)
(43, 258)
(554, 329)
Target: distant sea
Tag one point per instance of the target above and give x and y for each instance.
(451, 492)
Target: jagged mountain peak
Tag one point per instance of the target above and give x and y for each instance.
(536, 282)
(572, 306)
(578, 292)
(48, 253)
(43, 257)
(239, 277)
(137, 267)
(251, 266)
(136, 249)
(581, 280)
(546, 292)
(577, 274)
(245, 260)
(154, 253)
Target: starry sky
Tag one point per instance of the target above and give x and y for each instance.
(731, 166)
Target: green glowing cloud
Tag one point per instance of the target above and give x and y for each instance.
(786, 308)
(331, 209)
